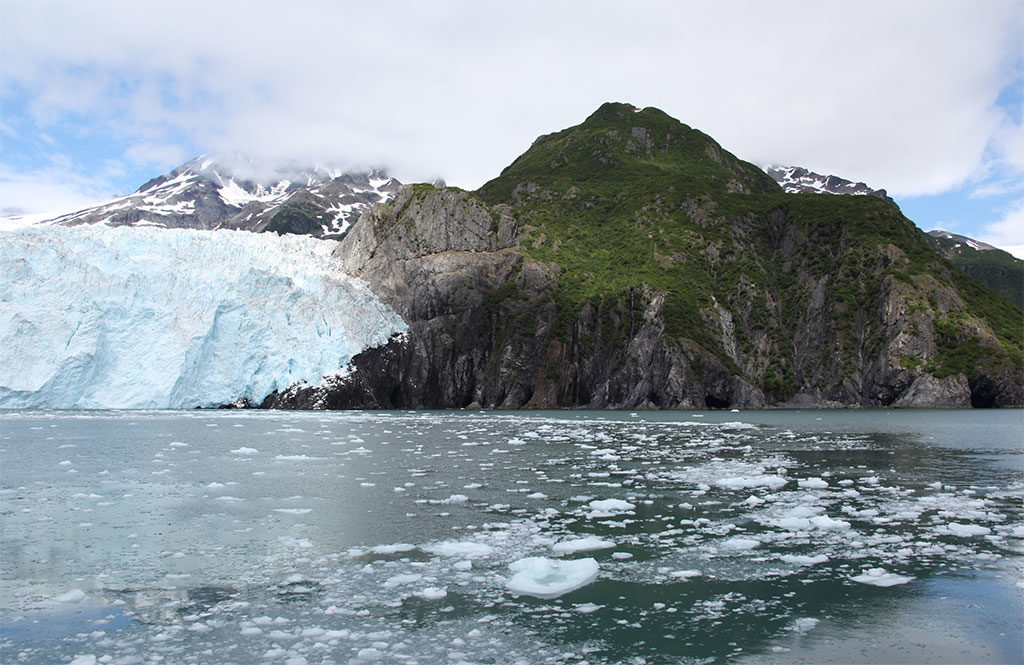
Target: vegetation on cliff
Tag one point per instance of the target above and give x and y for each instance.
(633, 198)
(632, 262)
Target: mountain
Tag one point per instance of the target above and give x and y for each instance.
(205, 193)
(98, 317)
(798, 180)
(632, 262)
(993, 267)
(998, 269)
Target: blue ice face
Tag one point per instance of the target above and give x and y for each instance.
(151, 318)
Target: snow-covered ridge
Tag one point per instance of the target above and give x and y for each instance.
(97, 317)
(206, 193)
(798, 180)
(962, 240)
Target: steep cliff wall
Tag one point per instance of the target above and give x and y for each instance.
(631, 262)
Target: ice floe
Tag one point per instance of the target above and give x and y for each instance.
(546, 578)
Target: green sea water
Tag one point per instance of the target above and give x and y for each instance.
(357, 537)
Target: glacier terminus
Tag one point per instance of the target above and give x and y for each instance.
(100, 317)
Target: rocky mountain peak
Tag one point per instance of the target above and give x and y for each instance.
(211, 192)
(798, 180)
(620, 147)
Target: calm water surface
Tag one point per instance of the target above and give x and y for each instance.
(355, 537)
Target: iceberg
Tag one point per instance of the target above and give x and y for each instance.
(544, 578)
(99, 317)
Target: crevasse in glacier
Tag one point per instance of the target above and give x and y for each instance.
(167, 318)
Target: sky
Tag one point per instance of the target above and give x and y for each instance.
(923, 98)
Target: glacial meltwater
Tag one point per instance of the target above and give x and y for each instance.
(511, 537)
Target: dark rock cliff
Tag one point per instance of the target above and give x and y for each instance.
(631, 262)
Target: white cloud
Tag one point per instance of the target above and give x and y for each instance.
(1009, 230)
(159, 155)
(898, 94)
(48, 192)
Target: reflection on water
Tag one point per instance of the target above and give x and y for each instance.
(786, 537)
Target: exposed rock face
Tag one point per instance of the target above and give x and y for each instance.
(632, 262)
(482, 332)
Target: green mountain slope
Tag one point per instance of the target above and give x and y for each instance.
(632, 262)
(677, 213)
(999, 270)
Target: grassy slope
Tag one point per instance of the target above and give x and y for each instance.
(665, 206)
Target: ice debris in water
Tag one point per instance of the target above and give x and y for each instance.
(73, 596)
(468, 550)
(609, 508)
(746, 482)
(581, 545)
(881, 577)
(544, 578)
(967, 530)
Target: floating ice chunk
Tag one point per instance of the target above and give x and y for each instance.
(404, 578)
(392, 549)
(87, 659)
(295, 542)
(295, 458)
(432, 593)
(586, 544)
(812, 484)
(881, 577)
(587, 608)
(609, 508)
(802, 560)
(622, 555)
(685, 574)
(967, 530)
(803, 624)
(245, 451)
(745, 482)
(369, 654)
(468, 550)
(544, 578)
(73, 596)
(537, 495)
(293, 511)
(455, 498)
(738, 543)
(827, 523)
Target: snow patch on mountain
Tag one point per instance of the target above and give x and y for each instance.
(208, 193)
(798, 180)
(96, 317)
(962, 240)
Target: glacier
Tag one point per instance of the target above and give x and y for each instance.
(148, 318)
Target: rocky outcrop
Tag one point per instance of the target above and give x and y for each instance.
(486, 330)
(632, 262)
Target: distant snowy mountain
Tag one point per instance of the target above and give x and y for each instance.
(995, 267)
(797, 180)
(208, 194)
(957, 241)
(98, 317)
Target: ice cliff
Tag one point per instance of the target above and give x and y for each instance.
(153, 318)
